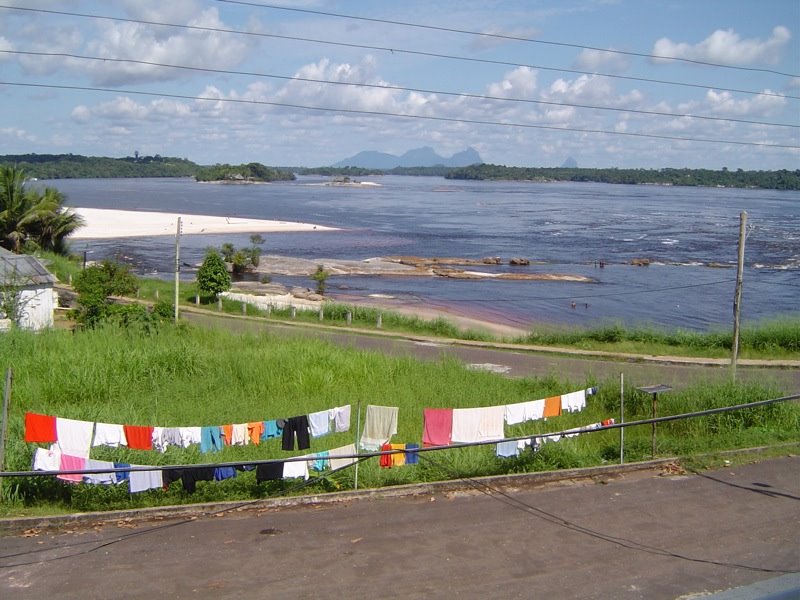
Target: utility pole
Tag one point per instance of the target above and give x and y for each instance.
(737, 296)
(4, 425)
(177, 267)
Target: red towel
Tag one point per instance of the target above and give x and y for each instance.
(437, 426)
(386, 459)
(40, 428)
(139, 437)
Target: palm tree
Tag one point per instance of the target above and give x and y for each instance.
(31, 217)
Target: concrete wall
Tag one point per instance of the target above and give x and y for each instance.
(36, 306)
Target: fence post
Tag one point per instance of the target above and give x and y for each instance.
(294, 312)
(380, 321)
(321, 314)
(197, 299)
(156, 293)
(349, 318)
(244, 308)
(219, 304)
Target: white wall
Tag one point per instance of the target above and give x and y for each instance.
(36, 306)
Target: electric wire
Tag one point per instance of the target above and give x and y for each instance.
(507, 37)
(377, 113)
(392, 50)
(395, 87)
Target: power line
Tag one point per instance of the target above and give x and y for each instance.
(393, 87)
(507, 37)
(393, 50)
(377, 113)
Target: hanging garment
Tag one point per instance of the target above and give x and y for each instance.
(271, 430)
(296, 426)
(227, 434)
(40, 428)
(478, 424)
(239, 434)
(515, 413)
(69, 463)
(379, 426)
(437, 426)
(341, 418)
(47, 460)
(399, 459)
(164, 437)
(223, 473)
(254, 431)
(105, 478)
(190, 435)
(319, 423)
(139, 437)
(574, 401)
(506, 449)
(109, 434)
(534, 410)
(191, 476)
(210, 439)
(269, 471)
(297, 468)
(386, 459)
(320, 462)
(340, 463)
(74, 437)
(552, 407)
(141, 481)
(168, 476)
(412, 456)
(122, 475)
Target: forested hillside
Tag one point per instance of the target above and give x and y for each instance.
(75, 166)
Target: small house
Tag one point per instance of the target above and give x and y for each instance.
(27, 292)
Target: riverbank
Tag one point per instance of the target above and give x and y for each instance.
(102, 223)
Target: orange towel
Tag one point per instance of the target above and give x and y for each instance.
(227, 434)
(552, 407)
(254, 430)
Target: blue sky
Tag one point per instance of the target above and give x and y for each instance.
(528, 92)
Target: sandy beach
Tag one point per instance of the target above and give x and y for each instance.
(104, 223)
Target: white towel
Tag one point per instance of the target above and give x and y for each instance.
(74, 437)
(341, 418)
(47, 460)
(141, 481)
(338, 463)
(515, 413)
(189, 435)
(297, 468)
(109, 434)
(574, 401)
(478, 424)
(239, 435)
(534, 410)
(379, 426)
(319, 423)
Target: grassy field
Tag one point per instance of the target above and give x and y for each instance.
(184, 376)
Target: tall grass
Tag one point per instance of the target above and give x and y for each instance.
(183, 376)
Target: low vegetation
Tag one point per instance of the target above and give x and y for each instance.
(182, 375)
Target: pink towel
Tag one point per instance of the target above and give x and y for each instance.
(438, 426)
(68, 463)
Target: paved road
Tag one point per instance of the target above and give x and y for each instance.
(519, 363)
(640, 536)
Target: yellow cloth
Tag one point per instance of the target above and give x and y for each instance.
(399, 459)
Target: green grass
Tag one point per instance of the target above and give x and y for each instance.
(178, 376)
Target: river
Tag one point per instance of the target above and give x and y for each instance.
(688, 235)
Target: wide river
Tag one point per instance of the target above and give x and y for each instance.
(689, 235)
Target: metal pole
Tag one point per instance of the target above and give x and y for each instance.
(4, 424)
(358, 435)
(653, 432)
(737, 296)
(621, 418)
(177, 266)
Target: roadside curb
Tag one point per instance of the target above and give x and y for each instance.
(18, 525)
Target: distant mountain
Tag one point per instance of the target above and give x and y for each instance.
(419, 157)
(570, 163)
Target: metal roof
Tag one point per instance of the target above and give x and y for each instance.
(23, 270)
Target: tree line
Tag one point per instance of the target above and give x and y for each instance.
(775, 180)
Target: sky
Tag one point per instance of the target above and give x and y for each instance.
(311, 82)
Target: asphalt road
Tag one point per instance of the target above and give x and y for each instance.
(519, 363)
(643, 535)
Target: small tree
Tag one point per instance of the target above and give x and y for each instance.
(96, 284)
(213, 277)
(320, 276)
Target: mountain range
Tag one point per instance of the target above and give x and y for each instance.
(418, 157)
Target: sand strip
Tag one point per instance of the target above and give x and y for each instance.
(104, 223)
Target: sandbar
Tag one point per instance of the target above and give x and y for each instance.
(102, 223)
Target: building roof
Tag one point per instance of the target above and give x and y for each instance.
(23, 270)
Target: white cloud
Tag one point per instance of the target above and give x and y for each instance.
(600, 60)
(727, 47)
(519, 83)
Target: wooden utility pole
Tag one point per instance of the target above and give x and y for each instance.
(737, 296)
(4, 424)
(177, 267)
